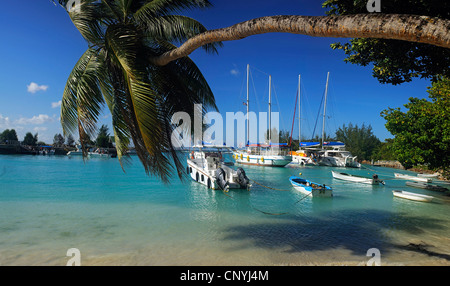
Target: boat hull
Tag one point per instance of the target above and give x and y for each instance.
(206, 178)
(261, 160)
(356, 179)
(319, 191)
(412, 196)
(413, 178)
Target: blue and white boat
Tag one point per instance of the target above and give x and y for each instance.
(310, 188)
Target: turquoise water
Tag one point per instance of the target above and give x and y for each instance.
(49, 204)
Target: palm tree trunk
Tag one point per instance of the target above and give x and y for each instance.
(413, 28)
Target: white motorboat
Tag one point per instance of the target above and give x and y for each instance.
(208, 168)
(413, 178)
(435, 175)
(412, 196)
(337, 157)
(357, 179)
(310, 188)
(427, 186)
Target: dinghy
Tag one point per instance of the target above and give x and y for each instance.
(310, 188)
(357, 179)
(412, 196)
(408, 177)
(435, 175)
(426, 186)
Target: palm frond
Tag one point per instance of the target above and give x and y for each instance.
(176, 29)
(82, 98)
(153, 8)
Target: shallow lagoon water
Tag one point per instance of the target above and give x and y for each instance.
(49, 204)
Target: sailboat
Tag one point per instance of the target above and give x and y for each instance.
(305, 155)
(270, 154)
(333, 154)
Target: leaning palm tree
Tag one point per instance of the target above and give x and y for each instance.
(121, 35)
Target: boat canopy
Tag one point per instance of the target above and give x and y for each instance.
(268, 145)
(333, 144)
(309, 144)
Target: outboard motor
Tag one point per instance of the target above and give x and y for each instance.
(220, 179)
(242, 178)
(375, 177)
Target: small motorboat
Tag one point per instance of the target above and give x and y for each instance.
(412, 196)
(310, 188)
(413, 178)
(358, 179)
(435, 175)
(209, 168)
(427, 186)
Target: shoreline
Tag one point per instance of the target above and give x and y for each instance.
(398, 165)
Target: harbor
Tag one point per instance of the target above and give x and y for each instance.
(146, 222)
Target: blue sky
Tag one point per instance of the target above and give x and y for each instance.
(40, 46)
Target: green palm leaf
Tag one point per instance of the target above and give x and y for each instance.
(122, 35)
(82, 99)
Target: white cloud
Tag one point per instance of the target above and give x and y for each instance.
(36, 120)
(56, 104)
(34, 87)
(4, 122)
(40, 129)
(234, 72)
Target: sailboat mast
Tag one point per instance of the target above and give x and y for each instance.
(270, 110)
(324, 110)
(248, 122)
(299, 110)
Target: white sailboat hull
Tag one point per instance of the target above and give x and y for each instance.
(261, 160)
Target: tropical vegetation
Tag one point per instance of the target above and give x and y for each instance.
(8, 135)
(422, 132)
(121, 36)
(360, 141)
(395, 61)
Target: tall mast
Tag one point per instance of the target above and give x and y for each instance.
(324, 109)
(248, 122)
(270, 110)
(299, 110)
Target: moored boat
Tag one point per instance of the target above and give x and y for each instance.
(426, 186)
(435, 175)
(310, 188)
(412, 196)
(209, 168)
(357, 179)
(414, 178)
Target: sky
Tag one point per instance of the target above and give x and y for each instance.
(40, 46)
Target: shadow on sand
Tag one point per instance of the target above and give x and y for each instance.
(355, 230)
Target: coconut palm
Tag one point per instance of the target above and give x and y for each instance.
(121, 35)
